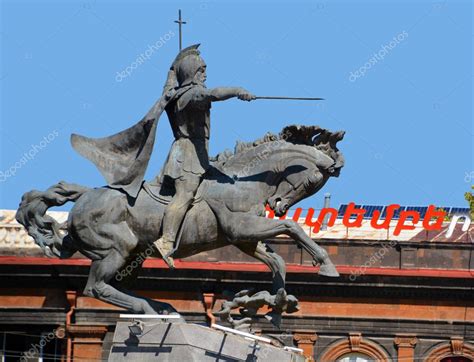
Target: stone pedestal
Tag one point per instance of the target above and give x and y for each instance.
(161, 341)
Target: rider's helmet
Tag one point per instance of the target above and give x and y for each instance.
(187, 64)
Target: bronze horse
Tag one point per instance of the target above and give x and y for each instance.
(112, 229)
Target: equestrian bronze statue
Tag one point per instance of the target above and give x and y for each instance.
(195, 204)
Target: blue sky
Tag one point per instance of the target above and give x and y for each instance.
(408, 115)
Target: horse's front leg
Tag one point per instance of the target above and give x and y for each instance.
(239, 226)
(266, 255)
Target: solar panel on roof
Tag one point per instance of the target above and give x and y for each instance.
(444, 208)
(342, 210)
(369, 210)
(357, 207)
(459, 211)
(420, 209)
(396, 213)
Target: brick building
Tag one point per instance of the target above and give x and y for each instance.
(405, 298)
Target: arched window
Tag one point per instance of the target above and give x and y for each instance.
(456, 351)
(355, 349)
(355, 357)
(456, 359)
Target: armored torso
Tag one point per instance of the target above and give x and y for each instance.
(189, 114)
(189, 117)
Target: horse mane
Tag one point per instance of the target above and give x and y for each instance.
(296, 134)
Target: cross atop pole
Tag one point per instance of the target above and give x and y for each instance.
(180, 22)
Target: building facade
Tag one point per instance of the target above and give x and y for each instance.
(404, 298)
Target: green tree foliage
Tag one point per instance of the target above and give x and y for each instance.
(470, 198)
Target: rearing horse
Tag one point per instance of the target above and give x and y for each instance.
(113, 230)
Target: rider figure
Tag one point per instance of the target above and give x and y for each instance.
(189, 116)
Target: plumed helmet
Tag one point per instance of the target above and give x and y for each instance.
(187, 64)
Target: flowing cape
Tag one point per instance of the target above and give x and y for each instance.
(123, 157)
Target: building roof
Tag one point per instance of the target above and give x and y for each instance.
(414, 252)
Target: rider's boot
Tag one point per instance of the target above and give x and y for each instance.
(165, 247)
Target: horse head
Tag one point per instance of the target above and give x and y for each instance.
(310, 157)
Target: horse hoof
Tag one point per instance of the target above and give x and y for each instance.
(328, 269)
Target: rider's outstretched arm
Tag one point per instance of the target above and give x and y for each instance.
(223, 93)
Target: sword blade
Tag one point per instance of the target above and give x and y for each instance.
(292, 98)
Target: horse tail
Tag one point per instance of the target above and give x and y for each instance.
(43, 228)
